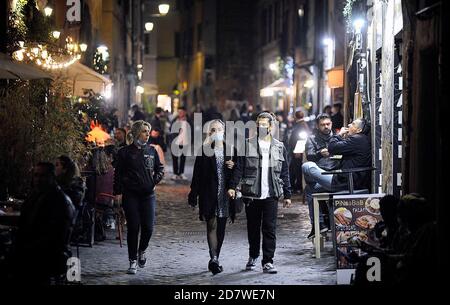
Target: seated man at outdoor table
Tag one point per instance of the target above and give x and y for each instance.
(353, 144)
(46, 221)
(316, 150)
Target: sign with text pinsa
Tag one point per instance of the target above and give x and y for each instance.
(355, 217)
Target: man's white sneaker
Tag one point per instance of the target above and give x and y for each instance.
(183, 177)
(269, 268)
(133, 267)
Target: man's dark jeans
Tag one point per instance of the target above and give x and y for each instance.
(140, 214)
(262, 212)
(178, 169)
(295, 172)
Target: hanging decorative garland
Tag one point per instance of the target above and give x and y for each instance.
(30, 39)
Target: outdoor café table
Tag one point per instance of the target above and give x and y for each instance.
(317, 197)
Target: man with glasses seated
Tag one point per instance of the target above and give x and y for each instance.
(353, 144)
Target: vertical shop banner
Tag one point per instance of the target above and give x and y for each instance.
(355, 217)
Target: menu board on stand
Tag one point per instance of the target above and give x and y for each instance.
(355, 217)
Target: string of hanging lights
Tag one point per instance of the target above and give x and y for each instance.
(51, 57)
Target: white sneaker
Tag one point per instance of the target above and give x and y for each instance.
(269, 268)
(174, 177)
(133, 267)
(183, 177)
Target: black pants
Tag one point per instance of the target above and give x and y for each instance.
(215, 229)
(295, 172)
(178, 169)
(262, 212)
(140, 214)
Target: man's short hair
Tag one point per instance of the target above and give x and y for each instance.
(182, 108)
(122, 130)
(158, 110)
(266, 115)
(338, 105)
(156, 128)
(299, 115)
(49, 168)
(322, 116)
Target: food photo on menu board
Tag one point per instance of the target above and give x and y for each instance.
(355, 218)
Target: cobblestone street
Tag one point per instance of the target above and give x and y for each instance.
(178, 250)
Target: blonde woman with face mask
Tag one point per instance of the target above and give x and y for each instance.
(212, 172)
(138, 170)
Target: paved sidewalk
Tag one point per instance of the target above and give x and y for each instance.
(178, 250)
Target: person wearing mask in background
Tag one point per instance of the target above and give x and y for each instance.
(263, 177)
(138, 171)
(210, 181)
(300, 131)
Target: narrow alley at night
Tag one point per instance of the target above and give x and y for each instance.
(218, 150)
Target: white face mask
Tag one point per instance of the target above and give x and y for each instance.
(141, 143)
(218, 137)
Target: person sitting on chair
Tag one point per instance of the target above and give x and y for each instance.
(45, 227)
(353, 143)
(316, 150)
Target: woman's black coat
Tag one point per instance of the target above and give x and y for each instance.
(205, 182)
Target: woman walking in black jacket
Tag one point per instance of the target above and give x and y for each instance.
(138, 170)
(212, 172)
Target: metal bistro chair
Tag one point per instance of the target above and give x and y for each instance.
(119, 216)
(317, 197)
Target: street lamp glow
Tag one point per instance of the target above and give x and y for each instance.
(148, 26)
(327, 41)
(83, 47)
(56, 34)
(273, 66)
(140, 90)
(358, 24)
(48, 11)
(309, 84)
(164, 9)
(301, 12)
(102, 48)
(108, 91)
